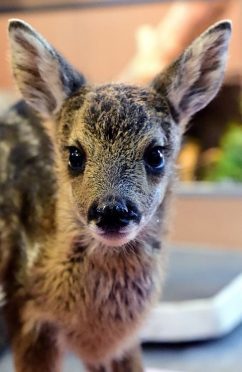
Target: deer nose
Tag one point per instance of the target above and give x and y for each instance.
(112, 214)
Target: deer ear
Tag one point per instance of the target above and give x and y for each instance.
(193, 80)
(43, 76)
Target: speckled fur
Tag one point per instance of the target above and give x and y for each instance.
(64, 287)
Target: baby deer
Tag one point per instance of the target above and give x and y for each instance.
(83, 226)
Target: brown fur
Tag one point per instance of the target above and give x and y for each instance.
(65, 285)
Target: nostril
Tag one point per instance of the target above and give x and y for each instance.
(93, 212)
(133, 212)
(121, 209)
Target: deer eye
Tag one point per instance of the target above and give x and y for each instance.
(76, 158)
(154, 159)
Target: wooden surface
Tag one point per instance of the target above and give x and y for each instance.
(214, 221)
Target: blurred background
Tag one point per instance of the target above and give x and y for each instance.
(131, 41)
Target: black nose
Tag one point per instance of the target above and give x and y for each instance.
(112, 214)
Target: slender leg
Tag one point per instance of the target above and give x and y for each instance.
(99, 368)
(131, 362)
(36, 351)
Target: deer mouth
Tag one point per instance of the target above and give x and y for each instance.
(113, 237)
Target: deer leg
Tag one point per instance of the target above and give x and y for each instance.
(130, 362)
(36, 351)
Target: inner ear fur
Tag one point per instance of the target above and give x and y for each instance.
(194, 79)
(43, 76)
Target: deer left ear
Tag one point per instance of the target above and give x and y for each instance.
(194, 79)
(43, 76)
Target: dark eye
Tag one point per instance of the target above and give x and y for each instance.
(154, 159)
(76, 158)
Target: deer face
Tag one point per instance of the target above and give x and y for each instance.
(118, 143)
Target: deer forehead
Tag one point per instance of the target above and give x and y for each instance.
(114, 113)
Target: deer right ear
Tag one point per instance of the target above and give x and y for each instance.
(193, 80)
(44, 78)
